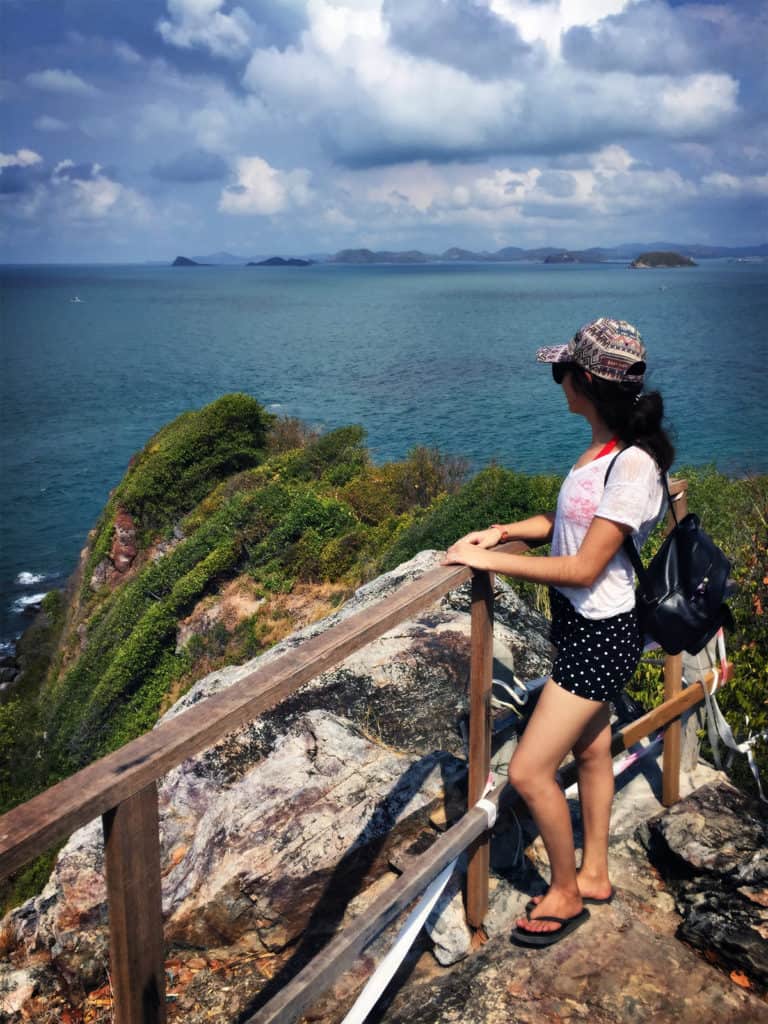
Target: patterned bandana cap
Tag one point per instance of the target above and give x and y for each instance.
(607, 348)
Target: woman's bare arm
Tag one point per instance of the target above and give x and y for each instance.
(603, 539)
(537, 529)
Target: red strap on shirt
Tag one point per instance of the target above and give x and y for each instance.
(607, 448)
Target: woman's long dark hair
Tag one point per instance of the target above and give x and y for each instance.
(634, 416)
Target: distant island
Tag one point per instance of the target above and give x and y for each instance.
(273, 261)
(278, 261)
(367, 256)
(642, 255)
(647, 260)
(185, 261)
(510, 254)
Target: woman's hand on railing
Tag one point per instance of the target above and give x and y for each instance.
(467, 552)
(487, 538)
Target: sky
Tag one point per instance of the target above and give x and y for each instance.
(144, 129)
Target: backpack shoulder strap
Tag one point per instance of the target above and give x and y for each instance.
(629, 545)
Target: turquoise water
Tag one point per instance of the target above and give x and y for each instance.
(439, 355)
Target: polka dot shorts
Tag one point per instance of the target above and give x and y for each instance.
(596, 658)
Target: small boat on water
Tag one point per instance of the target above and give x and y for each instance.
(76, 299)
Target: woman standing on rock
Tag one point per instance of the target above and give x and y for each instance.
(594, 623)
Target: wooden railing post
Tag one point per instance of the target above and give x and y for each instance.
(480, 675)
(673, 680)
(132, 858)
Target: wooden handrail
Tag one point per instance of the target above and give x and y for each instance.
(31, 828)
(34, 826)
(341, 952)
(480, 732)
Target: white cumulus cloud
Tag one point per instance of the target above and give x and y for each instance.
(725, 184)
(264, 190)
(544, 21)
(371, 103)
(61, 81)
(86, 192)
(696, 102)
(202, 23)
(21, 158)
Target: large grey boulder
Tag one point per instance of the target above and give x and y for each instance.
(409, 687)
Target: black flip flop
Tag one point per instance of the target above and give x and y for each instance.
(567, 925)
(596, 901)
(592, 901)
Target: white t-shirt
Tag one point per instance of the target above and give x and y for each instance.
(633, 496)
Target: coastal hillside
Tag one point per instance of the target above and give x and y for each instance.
(230, 529)
(233, 528)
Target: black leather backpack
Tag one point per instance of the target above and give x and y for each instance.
(681, 593)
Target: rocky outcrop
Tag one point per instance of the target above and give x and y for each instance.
(9, 670)
(122, 552)
(618, 970)
(713, 851)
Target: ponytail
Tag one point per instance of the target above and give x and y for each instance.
(634, 416)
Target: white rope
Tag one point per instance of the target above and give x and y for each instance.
(718, 728)
(384, 973)
(491, 811)
(386, 970)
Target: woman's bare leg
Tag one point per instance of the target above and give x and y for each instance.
(558, 721)
(595, 773)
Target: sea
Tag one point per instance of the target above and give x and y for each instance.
(95, 359)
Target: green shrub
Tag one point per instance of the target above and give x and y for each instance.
(426, 474)
(288, 433)
(494, 495)
(302, 510)
(335, 457)
(380, 492)
(182, 462)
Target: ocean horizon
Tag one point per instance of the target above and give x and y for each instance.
(98, 357)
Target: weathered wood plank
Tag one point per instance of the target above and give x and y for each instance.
(673, 679)
(658, 717)
(673, 685)
(132, 860)
(481, 671)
